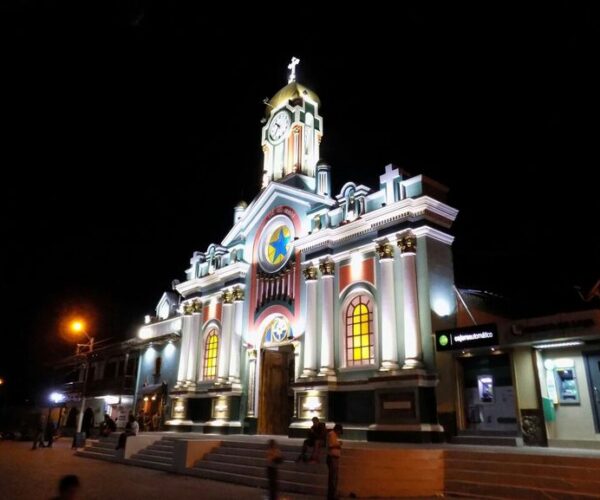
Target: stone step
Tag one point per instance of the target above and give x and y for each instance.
(157, 453)
(487, 440)
(149, 464)
(259, 482)
(535, 482)
(142, 455)
(258, 471)
(260, 446)
(548, 470)
(103, 446)
(522, 458)
(97, 455)
(262, 462)
(501, 491)
(161, 447)
(252, 452)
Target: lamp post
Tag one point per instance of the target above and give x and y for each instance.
(78, 328)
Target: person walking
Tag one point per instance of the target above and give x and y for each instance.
(38, 434)
(87, 422)
(334, 451)
(274, 458)
(50, 431)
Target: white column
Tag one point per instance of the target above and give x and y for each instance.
(387, 300)
(251, 382)
(194, 350)
(184, 348)
(310, 331)
(327, 363)
(225, 344)
(413, 353)
(236, 336)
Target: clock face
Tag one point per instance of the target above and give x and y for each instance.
(279, 125)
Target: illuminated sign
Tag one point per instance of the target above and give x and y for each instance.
(466, 338)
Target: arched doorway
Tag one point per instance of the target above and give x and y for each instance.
(277, 368)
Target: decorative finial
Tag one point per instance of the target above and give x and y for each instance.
(292, 68)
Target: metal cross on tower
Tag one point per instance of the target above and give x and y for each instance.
(292, 68)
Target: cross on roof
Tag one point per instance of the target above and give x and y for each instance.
(387, 181)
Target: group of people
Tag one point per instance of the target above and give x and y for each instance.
(148, 422)
(318, 438)
(43, 435)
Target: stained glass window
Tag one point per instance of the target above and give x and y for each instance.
(360, 342)
(278, 330)
(211, 354)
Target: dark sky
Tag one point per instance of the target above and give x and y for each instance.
(132, 128)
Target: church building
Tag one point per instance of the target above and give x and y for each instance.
(314, 303)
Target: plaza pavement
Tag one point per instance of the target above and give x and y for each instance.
(27, 474)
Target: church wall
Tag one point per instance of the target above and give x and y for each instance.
(437, 301)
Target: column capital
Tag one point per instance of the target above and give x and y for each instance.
(310, 273)
(385, 251)
(227, 297)
(327, 268)
(238, 294)
(192, 307)
(408, 244)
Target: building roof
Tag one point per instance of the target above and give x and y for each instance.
(291, 92)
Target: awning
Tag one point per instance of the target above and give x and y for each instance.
(154, 389)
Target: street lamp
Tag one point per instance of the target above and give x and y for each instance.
(78, 327)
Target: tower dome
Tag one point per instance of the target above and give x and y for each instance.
(291, 93)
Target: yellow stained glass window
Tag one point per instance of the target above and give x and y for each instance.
(211, 354)
(359, 332)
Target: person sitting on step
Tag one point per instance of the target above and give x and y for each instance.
(316, 440)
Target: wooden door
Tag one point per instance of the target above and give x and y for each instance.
(274, 413)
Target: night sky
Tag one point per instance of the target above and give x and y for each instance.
(131, 129)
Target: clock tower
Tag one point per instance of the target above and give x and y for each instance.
(292, 133)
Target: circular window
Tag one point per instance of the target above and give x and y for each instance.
(276, 244)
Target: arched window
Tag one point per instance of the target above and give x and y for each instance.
(360, 338)
(211, 355)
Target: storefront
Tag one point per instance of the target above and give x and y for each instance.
(536, 379)
(569, 383)
(486, 400)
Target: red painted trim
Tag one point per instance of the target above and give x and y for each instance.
(365, 273)
(293, 216)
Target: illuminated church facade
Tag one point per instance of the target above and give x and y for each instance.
(314, 303)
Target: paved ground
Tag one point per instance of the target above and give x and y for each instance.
(26, 474)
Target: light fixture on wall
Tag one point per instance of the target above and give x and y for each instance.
(558, 345)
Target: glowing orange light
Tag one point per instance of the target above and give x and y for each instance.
(1, 381)
(77, 326)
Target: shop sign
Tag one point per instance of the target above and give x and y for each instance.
(466, 338)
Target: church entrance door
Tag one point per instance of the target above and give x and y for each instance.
(275, 400)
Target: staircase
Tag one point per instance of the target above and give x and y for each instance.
(487, 438)
(103, 448)
(244, 462)
(159, 455)
(500, 475)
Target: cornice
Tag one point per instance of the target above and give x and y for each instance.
(219, 277)
(407, 209)
(263, 202)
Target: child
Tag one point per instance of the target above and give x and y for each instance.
(273, 459)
